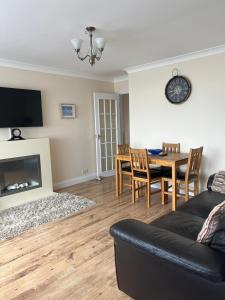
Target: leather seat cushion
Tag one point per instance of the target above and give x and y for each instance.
(126, 169)
(153, 173)
(180, 175)
(181, 223)
(166, 171)
(202, 204)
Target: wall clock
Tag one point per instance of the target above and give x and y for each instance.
(178, 89)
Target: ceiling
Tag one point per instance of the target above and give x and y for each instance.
(38, 32)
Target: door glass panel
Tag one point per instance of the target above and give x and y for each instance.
(113, 135)
(113, 118)
(102, 121)
(108, 121)
(101, 106)
(102, 135)
(108, 147)
(103, 150)
(113, 106)
(108, 135)
(114, 148)
(109, 163)
(107, 106)
(103, 164)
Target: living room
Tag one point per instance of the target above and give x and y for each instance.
(111, 118)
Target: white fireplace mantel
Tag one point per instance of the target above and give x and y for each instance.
(13, 149)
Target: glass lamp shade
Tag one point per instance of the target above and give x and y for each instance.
(100, 43)
(77, 43)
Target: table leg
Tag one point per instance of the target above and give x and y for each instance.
(117, 163)
(174, 187)
(120, 178)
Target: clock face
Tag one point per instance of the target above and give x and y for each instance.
(178, 89)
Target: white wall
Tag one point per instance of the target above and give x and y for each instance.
(199, 121)
(72, 141)
(121, 86)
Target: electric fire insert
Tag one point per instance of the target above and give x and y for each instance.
(20, 174)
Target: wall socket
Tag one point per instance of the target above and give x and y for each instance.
(84, 171)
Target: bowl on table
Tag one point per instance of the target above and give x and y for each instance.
(155, 151)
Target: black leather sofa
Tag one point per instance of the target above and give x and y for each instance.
(162, 260)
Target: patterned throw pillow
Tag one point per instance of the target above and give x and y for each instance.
(211, 224)
(218, 184)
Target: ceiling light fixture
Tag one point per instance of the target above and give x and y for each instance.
(95, 50)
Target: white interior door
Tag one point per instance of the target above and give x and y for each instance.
(106, 132)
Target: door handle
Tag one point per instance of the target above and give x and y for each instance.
(98, 136)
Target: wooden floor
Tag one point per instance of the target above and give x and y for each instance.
(72, 258)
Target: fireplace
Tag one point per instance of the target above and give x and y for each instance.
(19, 174)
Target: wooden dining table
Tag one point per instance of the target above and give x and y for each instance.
(172, 160)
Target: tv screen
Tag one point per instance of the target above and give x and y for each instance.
(20, 108)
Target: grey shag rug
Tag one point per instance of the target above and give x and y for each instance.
(16, 220)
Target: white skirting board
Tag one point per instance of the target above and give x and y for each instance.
(72, 181)
(80, 179)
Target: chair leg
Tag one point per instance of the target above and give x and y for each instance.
(196, 187)
(121, 182)
(137, 190)
(149, 194)
(164, 188)
(133, 191)
(186, 191)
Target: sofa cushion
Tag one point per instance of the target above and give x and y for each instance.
(202, 204)
(211, 224)
(181, 223)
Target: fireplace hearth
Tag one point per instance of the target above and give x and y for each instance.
(19, 174)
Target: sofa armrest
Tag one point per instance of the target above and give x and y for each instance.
(169, 246)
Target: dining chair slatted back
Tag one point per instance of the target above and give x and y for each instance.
(123, 149)
(139, 161)
(194, 162)
(169, 147)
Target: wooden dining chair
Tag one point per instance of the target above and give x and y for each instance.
(123, 149)
(142, 175)
(184, 179)
(168, 147)
(125, 167)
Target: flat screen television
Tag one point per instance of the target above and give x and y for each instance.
(20, 108)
